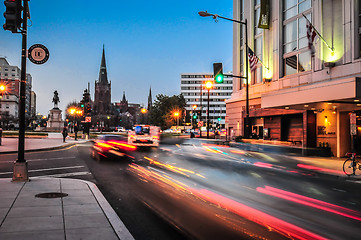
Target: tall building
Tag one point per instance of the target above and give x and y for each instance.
(102, 93)
(33, 105)
(10, 76)
(309, 100)
(194, 91)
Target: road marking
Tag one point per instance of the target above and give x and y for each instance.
(47, 169)
(41, 159)
(64, 175)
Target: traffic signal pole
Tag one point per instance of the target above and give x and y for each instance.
(21, 166)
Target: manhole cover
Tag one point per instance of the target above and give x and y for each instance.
(51, 195)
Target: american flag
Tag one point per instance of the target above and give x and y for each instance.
(253, 60)
(311, 34)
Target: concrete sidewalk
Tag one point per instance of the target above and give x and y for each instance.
(83, 213)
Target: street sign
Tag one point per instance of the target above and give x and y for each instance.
(38, 54)
(200, 123)
(88, 119)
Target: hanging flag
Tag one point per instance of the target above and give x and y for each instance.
(264, 15)
(253, 59)
(311, 34)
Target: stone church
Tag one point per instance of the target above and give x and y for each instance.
(102, 94)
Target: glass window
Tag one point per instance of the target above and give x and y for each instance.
(295, 36)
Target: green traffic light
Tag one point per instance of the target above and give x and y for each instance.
(219, 78)
(219, 119)
(82, 105)
(194, 116)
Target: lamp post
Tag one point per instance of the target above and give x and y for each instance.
(209, 85)
(215, 16)
(2, 91)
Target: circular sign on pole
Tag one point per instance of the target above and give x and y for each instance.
(38, 54)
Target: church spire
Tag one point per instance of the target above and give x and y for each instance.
(150, 101)
(124, 100)
(103, 76)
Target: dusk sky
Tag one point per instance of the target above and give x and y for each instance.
(147, 43)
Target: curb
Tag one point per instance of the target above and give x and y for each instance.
(41, 149)
(118, 226)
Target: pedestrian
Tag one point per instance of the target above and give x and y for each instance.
(76, 131)
(64, 132)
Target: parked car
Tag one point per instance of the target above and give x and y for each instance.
(110, 146)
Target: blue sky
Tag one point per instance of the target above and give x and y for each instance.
(147, 43)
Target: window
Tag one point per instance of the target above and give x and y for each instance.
(359, 28)
(258, 43)
(296, 55)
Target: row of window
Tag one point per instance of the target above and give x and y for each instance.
(5, 74)
(200, 82)
(6, 69)
(199, 88)
(196, 76)
(198, 100)
(210, 105)
(206, 94)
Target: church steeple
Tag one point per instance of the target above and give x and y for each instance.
(124, 100)
(150, 101)
(103, 76)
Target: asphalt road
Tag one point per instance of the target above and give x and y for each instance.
(202, 191)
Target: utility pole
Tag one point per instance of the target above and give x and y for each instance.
(21, 166)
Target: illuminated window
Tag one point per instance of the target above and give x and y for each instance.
(296, 55)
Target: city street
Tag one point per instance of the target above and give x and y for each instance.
(204, 191)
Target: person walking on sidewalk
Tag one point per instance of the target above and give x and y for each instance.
(76, 131)
(64, 132)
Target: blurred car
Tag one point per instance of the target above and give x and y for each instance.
(109, 146)
(120, 129)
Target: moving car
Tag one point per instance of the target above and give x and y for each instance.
(144, 136)
(107, 146)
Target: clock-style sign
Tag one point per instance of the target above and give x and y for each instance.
(38, 54)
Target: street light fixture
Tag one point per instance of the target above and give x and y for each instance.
(176, 114)
(215, 16)
(209, 86)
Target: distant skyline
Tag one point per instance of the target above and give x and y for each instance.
(146, 44)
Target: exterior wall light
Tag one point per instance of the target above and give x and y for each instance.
(330, 64)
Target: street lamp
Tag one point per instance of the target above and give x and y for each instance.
(176, 114)
(209, 85)
(144, 118)
(215, 16)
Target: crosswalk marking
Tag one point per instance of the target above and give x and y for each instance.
(46, 169)
(64, 175)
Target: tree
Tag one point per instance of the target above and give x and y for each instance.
(163, 109)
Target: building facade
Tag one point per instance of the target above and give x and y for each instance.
(310, 100)
(10, 77)
(194, 92)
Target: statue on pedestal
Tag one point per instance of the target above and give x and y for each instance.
(55, 122)
(56, 99)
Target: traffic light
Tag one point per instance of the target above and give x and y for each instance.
(194, 116)
(218, 72)
(82, 105)
(12, 15)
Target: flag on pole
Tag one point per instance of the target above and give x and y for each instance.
(311, 34)
(253, 59)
